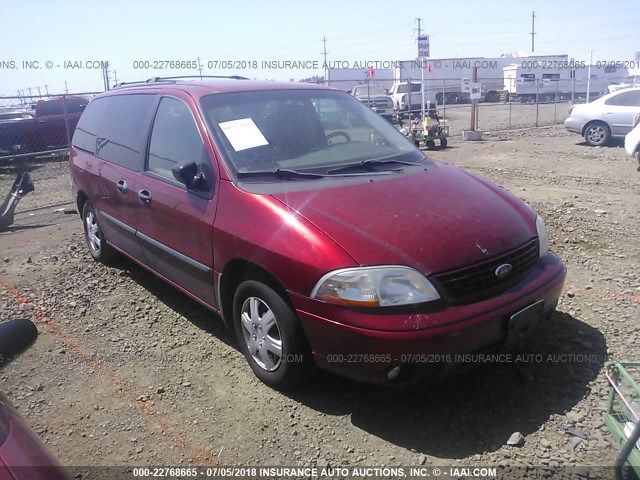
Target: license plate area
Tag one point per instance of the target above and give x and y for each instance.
(522, 323)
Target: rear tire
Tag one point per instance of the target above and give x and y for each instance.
(270, 336)
(443, 143)
(99, 249)
(597, 134)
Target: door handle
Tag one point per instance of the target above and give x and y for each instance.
(145, 196)
(122, 186)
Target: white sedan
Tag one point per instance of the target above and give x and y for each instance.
(610, 116)
(632, 140)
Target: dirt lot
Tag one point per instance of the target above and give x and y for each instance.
(127, 371)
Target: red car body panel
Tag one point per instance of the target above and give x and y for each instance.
(414, 219)
(22, 453)
(275, 237)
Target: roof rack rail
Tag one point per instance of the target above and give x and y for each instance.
(174, 79)
(232, 77)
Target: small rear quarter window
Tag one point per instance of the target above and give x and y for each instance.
(86, 132)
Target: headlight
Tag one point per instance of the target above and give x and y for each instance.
(543, 236)
(375, 287)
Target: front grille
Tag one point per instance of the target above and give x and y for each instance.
(378, 102)
(477, 282)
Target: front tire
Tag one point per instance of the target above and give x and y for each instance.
(93, 235)
(597, 134)
(270, 336)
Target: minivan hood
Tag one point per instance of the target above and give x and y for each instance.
(433, 221)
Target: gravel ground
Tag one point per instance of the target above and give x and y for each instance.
(127, 371)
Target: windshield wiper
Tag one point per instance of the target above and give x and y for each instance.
(280, 172)
(368, 164)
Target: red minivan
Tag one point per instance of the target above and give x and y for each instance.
(316, 230)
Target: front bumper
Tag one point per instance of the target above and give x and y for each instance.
(366, 346)
(381, 110)
(385, 112)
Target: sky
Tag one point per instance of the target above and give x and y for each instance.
(226, 35)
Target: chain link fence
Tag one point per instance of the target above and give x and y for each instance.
(34, 125)
(505, 103)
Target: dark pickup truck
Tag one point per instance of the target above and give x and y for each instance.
(46, 127)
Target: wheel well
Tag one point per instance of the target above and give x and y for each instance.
(594, 122)
(233, 274)
(80, 201)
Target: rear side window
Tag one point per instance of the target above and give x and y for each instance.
(122, 138)
(175, 138)
(86, 132)
(75, 105)
(51, 107)
(625, 99)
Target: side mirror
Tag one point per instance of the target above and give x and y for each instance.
(187, 174)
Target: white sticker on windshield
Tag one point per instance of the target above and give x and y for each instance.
(243, 134)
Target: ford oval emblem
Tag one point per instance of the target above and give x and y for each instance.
(503, 271)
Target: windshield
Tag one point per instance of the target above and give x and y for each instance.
(305, 130)
(402, 88)
(371, 90)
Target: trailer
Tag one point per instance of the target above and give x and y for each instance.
(532, 81)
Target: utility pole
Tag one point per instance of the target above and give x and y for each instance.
(46, 89)
(533, 31)
(115, 76)
(66, 89)
(422, 67)
(200, 68)
(39, 92)
(419, 29)
(105, 76)
(326, 67)
(589, 75)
